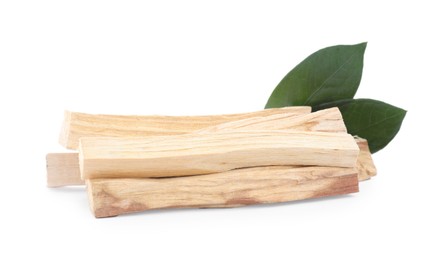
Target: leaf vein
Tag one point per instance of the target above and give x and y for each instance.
(379, 122)
(325, 81)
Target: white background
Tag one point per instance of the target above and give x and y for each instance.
(198, 57)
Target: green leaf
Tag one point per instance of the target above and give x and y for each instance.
(327, 75)
(376, 121)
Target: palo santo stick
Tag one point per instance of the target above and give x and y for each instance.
(111, 197)
(326, 120)
(365, 164)
(63, 168)
(77, 125)
(192, 154)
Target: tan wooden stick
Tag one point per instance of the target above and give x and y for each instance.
(63, 168)
(77, 125)
(193, 154)
(327, 120)
(111, 197)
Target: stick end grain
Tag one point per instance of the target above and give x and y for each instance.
(50, 176)
(365, 164)
(62, 170)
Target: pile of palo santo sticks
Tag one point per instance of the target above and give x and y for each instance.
(137, 163)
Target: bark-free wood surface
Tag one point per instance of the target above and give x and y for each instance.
(77, 125)
(111, 197)
(326, 120)
(63, 168)
(365, 164)
(192, 154)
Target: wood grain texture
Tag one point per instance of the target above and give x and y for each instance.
(111, 197)
(365, 164)
(77, 125)
(326, 120)
(63, 169)
(192, 154)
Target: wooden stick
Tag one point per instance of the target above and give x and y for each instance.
(192, 154)
(63, 168)
(326, 120)
(77, 125)
(365, 164)
(111, 197)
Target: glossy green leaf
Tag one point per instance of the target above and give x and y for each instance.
(376, 121)
(327, 75)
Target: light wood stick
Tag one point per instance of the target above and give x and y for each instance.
(326, 120)
(192, 154)
(63, 168)
(77, 125)
(111, 197)
(365, 164)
